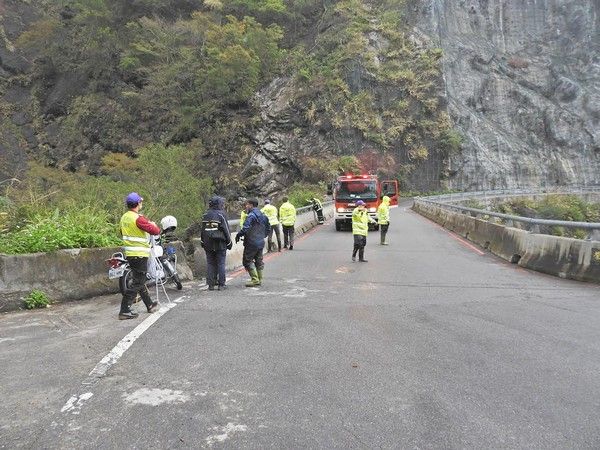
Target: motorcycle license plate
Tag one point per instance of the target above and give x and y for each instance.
(116, 272)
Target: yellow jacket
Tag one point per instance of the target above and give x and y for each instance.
(383, 212)
(271, 212)
(360, 221)
(287, 214)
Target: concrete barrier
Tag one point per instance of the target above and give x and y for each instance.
(304, 222)
(76, 274)
(564, 257)
(71, 274)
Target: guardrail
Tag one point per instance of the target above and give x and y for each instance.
(495, 193)
(532, 223)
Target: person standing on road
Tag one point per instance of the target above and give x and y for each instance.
(318, 208)
(254, 231)
(383, 218)
(287, 216)
(360, 229)
(270, 211)
(215, 239)
(136, 231)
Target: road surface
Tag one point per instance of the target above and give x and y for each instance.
(431, 344)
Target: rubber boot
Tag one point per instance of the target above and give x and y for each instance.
(254, 281)
(260, 276)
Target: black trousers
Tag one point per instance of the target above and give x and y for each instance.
(384, 230)
(253, 258)
(215, 267)
(139, 266)
(288, 235)
(274, 229)
(359, 246)
(320, 217)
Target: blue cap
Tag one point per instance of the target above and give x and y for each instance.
(359, 203)
(133, 199)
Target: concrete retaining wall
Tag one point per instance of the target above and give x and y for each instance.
(82, 273)
(564, 257)
(304, 222)
(63, 275)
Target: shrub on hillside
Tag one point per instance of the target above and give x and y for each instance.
(77, 228)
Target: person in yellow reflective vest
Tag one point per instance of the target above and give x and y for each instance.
(270, 211)
(383, 218)
(136, 231)
(360, 229)
(287, 216)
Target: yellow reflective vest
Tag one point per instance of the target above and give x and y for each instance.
(287, 214)
(360, 221)
(136, 242)
(243, 216)
(383, 211)
(271, 212)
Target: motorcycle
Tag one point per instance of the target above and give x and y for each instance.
(162, 263)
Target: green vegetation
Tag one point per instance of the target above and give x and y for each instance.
(62, 229)
(555, 207)
(159, 97)
(36, 299)
(53, 209)
(300, 195)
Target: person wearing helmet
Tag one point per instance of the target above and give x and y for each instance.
(383, 218)
(270, 211)
(254, 231)
(136, 231)
(360, 229)
(215, 239)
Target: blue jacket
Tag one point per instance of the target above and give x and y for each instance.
(256, 228)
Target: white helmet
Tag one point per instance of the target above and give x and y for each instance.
(168, 222)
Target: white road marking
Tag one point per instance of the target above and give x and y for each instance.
(224, 433)
(113, 356)
(155, 397)
(75, 403)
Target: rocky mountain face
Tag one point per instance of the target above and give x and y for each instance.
(522, 79)
(519, 78)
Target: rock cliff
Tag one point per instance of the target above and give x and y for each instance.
(522, 79)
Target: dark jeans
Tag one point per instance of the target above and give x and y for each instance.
(253, 258)
(215, 267)
(274, 229)
(288, 235)
(139, 266)
(359, 246)
(384, 230)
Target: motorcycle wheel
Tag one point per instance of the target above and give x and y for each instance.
(125, 281)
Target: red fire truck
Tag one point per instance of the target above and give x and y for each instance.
(348, 189)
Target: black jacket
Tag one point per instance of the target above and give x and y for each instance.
(215, 233)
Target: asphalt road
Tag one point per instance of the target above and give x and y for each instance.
(431, 344)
